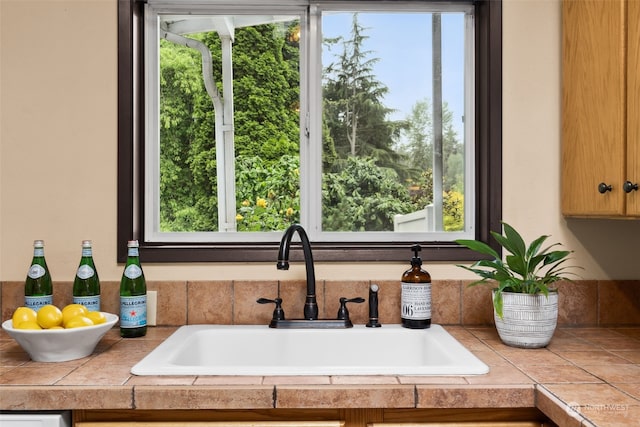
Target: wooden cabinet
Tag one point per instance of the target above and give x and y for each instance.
(601, 108)
(329, 417)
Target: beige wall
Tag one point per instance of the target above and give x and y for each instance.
(58, 149)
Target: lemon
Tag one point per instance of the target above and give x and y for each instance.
(23, 314)
(78, 322)
(28, 324)
(49, 315)
(97, 317)
(72, 310)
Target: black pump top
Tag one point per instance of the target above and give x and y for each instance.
(416, 260)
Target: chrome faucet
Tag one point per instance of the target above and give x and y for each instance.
(310, 305)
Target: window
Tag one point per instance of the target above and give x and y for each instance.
(237, 119)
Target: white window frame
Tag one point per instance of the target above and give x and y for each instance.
(311, 120)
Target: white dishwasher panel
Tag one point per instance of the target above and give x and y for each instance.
(35, 419)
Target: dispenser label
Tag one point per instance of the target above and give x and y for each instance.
(133, 311)
(416, 301)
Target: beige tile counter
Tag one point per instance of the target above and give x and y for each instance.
(585, 377)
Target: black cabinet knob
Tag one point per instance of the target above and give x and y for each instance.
(603, 188)
(629, 186)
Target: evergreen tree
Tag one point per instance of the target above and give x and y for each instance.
(353, 103)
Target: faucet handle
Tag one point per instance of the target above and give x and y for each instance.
(343, 313)
(278, 312)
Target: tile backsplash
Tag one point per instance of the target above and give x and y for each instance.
(582, 303)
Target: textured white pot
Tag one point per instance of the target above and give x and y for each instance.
(529, 320)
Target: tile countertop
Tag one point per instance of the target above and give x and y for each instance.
(585, 377)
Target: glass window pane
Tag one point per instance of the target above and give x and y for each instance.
(242, 130)
(383, 141)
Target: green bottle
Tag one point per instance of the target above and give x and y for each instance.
(38, 290)
(133, 296)
(86, 285)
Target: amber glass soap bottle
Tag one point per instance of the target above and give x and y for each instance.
(415, 295)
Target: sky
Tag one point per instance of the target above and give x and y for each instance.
(403, 45)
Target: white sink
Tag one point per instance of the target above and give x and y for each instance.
(259, 350)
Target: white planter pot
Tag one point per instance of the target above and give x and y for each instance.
(529, 320)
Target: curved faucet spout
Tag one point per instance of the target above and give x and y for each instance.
(310, 305)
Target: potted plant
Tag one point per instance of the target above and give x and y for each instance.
(524, 299)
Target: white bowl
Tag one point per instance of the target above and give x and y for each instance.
(60, 345)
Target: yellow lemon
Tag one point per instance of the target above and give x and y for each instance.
(28, 324)
(49, 315)
(23, 314)
(78, 322)
(97, 317)
(72, 310)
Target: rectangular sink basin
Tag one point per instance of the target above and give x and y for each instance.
(260, 350)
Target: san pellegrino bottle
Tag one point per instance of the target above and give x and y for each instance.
(38, 288)
(133, 295)
(86, 285)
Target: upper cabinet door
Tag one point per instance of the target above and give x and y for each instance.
(593, 107)
(633, 108)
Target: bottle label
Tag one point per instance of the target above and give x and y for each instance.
(133, 311)
(37, 302)
(86, 252)
(416, 301)
(85, 271)
(133, 271)
(36, 271)
(38, 252)
(133, 252)
(92, 303)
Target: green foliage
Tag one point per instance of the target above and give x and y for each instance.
(266, 123)
(366, 181)
(418, 148)
(526, 269)
(361, 196)
(268, 193)
(453, 211)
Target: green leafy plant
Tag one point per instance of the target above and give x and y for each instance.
(526, 269)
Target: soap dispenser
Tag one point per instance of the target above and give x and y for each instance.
(415, 296)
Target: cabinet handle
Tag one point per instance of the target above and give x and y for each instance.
(603, 188)
(629, 186)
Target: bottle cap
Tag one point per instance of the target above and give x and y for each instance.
(86, 243)
(38, 243)
(416, 260)
(132, 244)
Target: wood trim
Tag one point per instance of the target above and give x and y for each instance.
(214, 424)
(345, 417)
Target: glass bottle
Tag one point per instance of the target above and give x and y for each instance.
(133, 295)
(416, 295)
(38, 288)
(86, 285)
